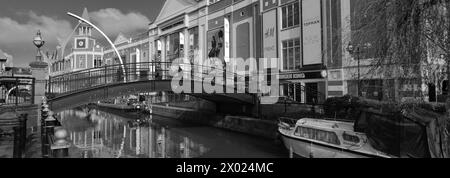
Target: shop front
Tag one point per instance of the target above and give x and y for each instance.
(303, 87)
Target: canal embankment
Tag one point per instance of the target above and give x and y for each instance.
(242, 124)
(205, 113)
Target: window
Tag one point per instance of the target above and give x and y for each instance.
(319, 135)
(364, 28)
(291, 54)
(174, 46)
(351, 138)
(291, 15)
(193, 43)
(81, 62)
(98, 61)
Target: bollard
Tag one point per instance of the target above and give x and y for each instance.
(49, 132)
(60, 147)
(44, 139)
(17, 152)
(50, 120)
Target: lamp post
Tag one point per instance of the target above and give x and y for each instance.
(38, 42)
(356, 51)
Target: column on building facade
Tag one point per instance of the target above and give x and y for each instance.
(163, 56)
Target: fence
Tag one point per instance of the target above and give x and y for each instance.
(17, 90)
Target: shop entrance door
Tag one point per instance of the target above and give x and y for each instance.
(311, 90)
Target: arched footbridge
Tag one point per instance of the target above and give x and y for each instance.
(88, 86)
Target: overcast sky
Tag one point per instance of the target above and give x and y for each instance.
(20, 20)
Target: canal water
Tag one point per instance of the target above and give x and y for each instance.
(98, 133)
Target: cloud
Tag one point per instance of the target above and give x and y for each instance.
(15, 32)
(16, 37)
(113, 21)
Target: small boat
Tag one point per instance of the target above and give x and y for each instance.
(317, 138)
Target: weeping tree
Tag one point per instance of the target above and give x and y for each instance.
(404, 38)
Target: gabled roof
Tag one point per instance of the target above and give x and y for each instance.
(121, 39)
(174, 7)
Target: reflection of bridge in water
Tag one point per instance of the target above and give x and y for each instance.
(91, 85)
(113, 136)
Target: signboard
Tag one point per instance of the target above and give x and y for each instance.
(292, 76)
(270, 34)
(312, 32)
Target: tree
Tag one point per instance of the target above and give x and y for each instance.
(403, 35)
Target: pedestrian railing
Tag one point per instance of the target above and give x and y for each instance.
(53, 135)
(134, 72)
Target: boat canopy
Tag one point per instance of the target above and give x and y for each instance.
(412, 132)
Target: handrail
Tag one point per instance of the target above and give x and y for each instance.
(118, 66)
(143, 71)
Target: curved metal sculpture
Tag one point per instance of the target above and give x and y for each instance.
(109, 41)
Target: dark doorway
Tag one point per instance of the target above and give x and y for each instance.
(312, 93)
(298, 92)
(432, 92)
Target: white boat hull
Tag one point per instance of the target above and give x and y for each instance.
(307, 149)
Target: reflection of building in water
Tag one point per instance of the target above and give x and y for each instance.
(112, 136)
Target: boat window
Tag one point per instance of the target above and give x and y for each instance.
(319, 135)
(328, 137)
(298, 132)
(351, 138)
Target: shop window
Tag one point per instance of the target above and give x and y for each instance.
(291, 15)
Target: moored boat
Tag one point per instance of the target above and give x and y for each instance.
(317, 138)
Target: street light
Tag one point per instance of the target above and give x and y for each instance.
(357, 50)
(38, 42)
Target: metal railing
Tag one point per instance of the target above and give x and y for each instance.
(17, 90)
(134, 72)
(54, 142)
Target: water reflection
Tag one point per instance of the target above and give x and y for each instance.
(98, 134)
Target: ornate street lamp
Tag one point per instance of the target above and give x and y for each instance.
(38, 42)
